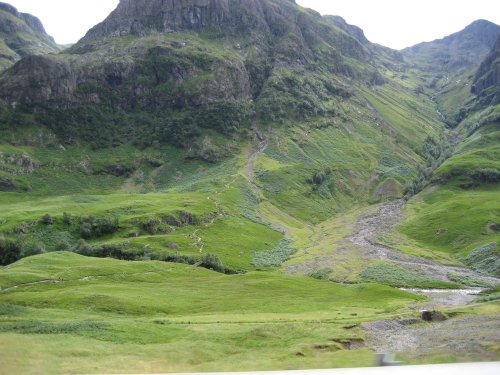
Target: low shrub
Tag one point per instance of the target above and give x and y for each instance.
(488, 298)
(45, 327)
(397, 276)
(485, 259)
(321, 274)
(275, 257)
(91, 226)
(212, 262)
(468, 281)
(67, 218)
(47, 220)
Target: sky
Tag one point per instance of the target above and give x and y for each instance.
(392, 23)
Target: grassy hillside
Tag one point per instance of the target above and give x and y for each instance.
(460, 211)
(150, 316)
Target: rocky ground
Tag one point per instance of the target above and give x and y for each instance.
(389, 215)
(467, 338)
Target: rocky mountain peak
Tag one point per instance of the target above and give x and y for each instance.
(32, 21)
(141, 17)
(464, 49)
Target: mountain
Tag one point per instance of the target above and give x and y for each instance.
(461, 50)
(21, 35)
(182, 60)
(460, 73)
(447, 67)
(206, 185)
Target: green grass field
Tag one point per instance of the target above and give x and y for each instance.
(114, 316)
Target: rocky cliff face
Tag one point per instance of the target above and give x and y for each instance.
(21, 35)
(143, 44)
(143, 17)
(487, 78)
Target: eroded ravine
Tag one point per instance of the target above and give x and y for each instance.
(369, 228)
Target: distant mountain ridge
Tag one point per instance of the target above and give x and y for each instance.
(21, 35)
(460, 50)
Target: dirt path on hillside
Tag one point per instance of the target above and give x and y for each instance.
(368, 228)
(254, 154)
(48, 281)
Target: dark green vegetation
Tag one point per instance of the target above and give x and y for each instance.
(210, 155)
(21, 35)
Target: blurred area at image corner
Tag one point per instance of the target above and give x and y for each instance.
(480, 368)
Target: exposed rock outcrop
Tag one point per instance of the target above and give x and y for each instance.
(487, 78)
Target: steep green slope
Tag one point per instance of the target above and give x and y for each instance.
(459, 212)
(487, 78)
(21, 35)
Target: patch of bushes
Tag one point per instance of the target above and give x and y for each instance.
(13, 250)
(91, 227)
(485, 259)
(155, 226)
(47, 220)
(321, 274)
(162, 225)
(486, 175)
(108, 251)
(208, 261)
(212, 262)
(275, 257)
(319, 178)
(46, 328)
(11, 310)
(10, 251)
(488, 298)
(67, 218)
(468, 281)
(322, 183)
(400, 277)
